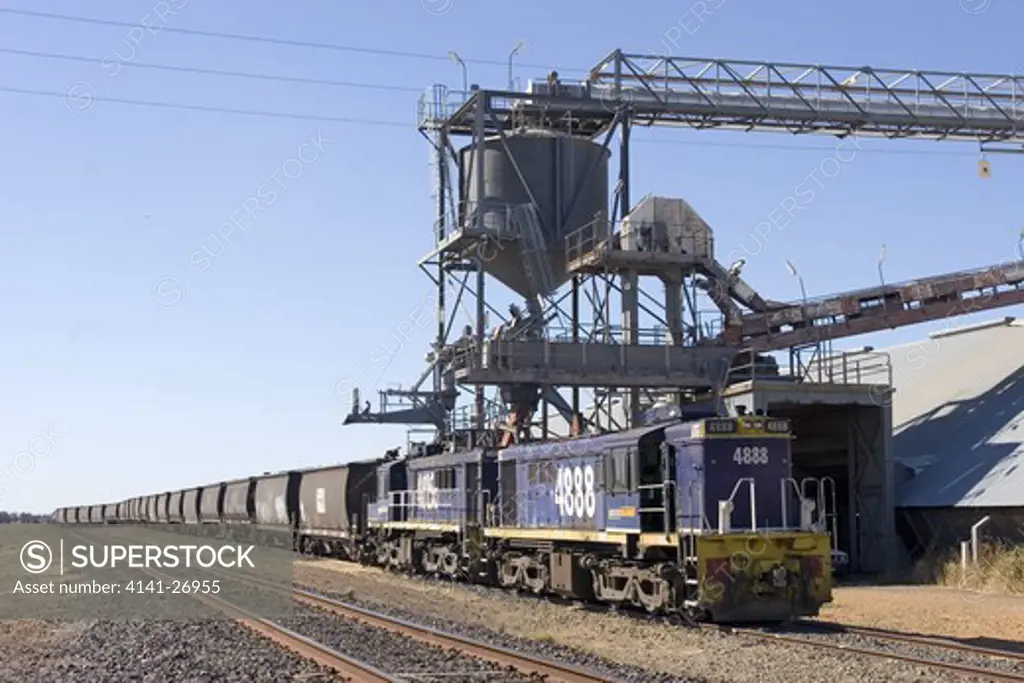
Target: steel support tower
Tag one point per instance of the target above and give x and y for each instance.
(587, 335)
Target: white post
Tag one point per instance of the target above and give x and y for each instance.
(724, 516)
(785, 505)
(974, 538)
(753, 508)
(807, 507)
(963, 555)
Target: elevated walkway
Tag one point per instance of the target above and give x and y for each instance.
(579, 364)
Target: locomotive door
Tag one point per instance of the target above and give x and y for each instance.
(507, 509)
(471, 492)
(668, 477)
(657, 497)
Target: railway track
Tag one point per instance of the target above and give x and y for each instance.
(524, 665)
(830, 636)
(836, 632)
(916, 639)
(551, 671)
(830, 629)
(352, 669)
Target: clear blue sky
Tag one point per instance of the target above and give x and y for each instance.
(98, 206)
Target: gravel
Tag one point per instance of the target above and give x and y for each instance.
(388, 651)
(397, 654)
(624, 647)
(547, 649)
(156, 651)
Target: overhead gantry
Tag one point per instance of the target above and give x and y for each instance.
(528, 202)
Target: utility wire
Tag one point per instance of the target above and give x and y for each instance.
(399, 124)
(325, 82)
(354, 121)
(214, 109)
(269, 40)
(216, 72)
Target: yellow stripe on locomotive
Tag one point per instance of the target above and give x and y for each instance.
(766, 576)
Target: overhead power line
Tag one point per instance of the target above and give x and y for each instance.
(216, 72)
(213, 109)
(271, 40)
(398, 124)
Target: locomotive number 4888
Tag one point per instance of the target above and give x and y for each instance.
(574, 491)
(750, 455)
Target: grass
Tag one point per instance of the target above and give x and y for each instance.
(1000, 569)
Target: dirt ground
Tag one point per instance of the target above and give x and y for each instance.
(930, 610)
(926, 610)
(675, 649)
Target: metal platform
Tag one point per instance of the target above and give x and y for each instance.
(812, 98)
(591, 251)
(587, 365)
(661, 90)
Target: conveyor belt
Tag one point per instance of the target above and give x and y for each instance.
(885, 307)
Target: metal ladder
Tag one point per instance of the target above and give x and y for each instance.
(829, 515)
(688, 550)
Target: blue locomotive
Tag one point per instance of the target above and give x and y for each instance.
(697, 517)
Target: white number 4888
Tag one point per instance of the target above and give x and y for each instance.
(750, 455)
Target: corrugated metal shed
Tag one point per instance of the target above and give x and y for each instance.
(958, 417)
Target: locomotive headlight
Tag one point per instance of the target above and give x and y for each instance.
(721, 426)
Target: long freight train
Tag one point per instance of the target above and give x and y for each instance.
(699, 517)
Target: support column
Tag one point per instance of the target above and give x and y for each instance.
(674, 309)
(629, 281)
(441, 141)
(575, 335)
(479, 134)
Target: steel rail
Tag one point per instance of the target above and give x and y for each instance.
(308, 648)
(552, 671)
(941, 642)
(983, 672)
(356, 670)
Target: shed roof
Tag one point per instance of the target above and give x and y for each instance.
(958, 416)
